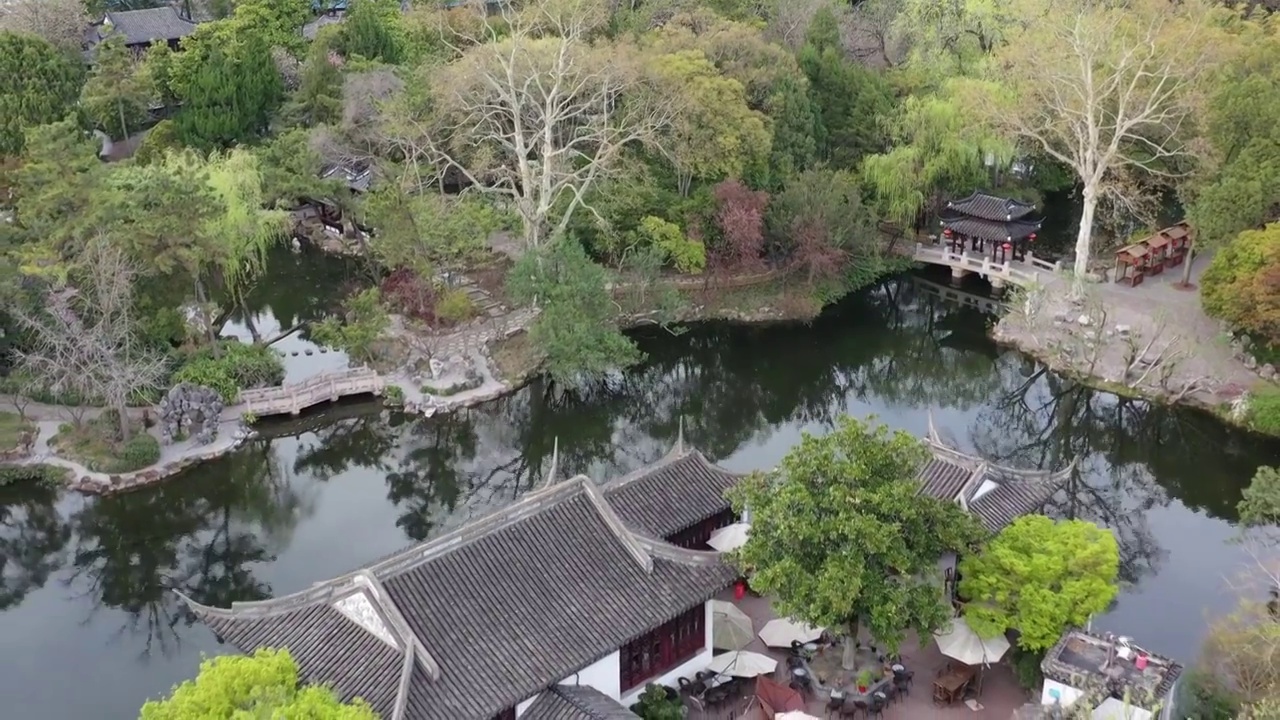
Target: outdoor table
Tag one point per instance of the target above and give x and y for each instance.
(952, 682)
(810, 648)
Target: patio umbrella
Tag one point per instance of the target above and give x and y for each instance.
(741, 663)
(776, 697)
(781, 632)
(729, 537)
(731, 629)
(794, 715)
(960, 642)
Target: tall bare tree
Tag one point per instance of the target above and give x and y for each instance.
(86, 343)
(536, 114)
(1106, 89)
(61, 22)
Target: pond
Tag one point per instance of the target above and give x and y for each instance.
(90, 626)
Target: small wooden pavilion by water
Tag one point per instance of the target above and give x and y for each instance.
(1000, 228)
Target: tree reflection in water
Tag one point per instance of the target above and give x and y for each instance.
(201, 535)
(213, 532)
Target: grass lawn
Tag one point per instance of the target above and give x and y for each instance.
(96, 444)
(11, 428)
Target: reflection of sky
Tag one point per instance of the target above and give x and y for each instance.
(350, 521)
(298, 365)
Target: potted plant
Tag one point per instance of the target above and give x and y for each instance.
(658, 703)
(864, 681)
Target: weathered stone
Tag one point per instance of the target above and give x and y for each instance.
(1267, 372)
(1124, 330)
(1250, 362)
(1084, 320)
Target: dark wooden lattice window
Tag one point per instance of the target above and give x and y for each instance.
(663, 648)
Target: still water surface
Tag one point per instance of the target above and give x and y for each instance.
(89, 627)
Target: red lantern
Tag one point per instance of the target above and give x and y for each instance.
(1008, 246)
(739, 589)
(947, 232)
(1032, 237)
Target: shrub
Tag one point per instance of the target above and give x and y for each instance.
(1264, 411)
(142, 450)
(687, 256)
(242, 366)
(408, 294)
(359, 330)
(1242, 283)
(44, 474)
(455, 307)
(393, 395)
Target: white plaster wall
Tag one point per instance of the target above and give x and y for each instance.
(605, 674)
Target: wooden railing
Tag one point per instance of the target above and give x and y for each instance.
(1020, 272)
(295, 398)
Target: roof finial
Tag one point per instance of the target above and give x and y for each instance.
(680, 438)
(555, 462)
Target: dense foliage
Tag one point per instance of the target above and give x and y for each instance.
(1039, 577)
(840, 537)
(1242, 283)
(38, 84)
(231, 367)
(263, 685)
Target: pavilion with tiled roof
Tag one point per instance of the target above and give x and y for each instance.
(995, 494)
(478, 622)
(998, 227)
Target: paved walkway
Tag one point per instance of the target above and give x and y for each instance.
(1206, 369)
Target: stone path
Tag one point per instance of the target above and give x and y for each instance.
(1154, 309)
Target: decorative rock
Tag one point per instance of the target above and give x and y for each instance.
(1084, 320)
(1246, 341)
(1250, 362)
(1267, 372)
(1124, 330)
(188, 406)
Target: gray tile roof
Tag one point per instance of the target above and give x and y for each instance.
(989, 229)
(576, 702)
(1012, 498)
(681, 490)
(943, 478)
(991, 207)
(145, 26)
(471, 623)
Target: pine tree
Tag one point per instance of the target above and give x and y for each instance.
(230, 98)
(116, 96)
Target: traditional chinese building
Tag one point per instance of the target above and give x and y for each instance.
(561, 606)
(140, 28)
(999, 228)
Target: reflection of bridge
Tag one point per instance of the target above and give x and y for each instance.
(1018, 272)
(295, 398)
(982, 303)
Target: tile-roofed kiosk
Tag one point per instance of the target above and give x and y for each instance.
(995, 494)
(140, 28)
(1000, 228)
(476, 624)
(680, 498)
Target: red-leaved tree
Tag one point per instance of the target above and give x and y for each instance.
(740, 216)
(814, 253)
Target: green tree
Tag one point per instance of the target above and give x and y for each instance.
(373, 31)
(577, 327)
(795, 130)
(428, 232)
(1260, 504)
(851, 101)
(714, 134)
(318, 99)
(54, 187)
(1040, 577)
(358, 331)
(290, 170)
(38, 84)
(1242, 283)
(263, 685)
(231, 95)
(686, 255)
(840, 537)
(117, 93)
(822, 222)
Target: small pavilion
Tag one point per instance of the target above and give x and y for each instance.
(1000, 228)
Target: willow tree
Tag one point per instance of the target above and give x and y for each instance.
(532, 110)
(1108, 90)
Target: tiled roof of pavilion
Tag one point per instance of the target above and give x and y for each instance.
(146, 25)
(990, 218)
(576, 702)
(990, 207)
(466, 625)
(995, 494)
(679, 491)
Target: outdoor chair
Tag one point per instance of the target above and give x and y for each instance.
(890, 693)
(691, 687)
(833, 706)
(875, 708)
(853, 706)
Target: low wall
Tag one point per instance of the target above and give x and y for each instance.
(124, 482)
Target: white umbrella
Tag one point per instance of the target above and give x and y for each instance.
(959, 641)
(781, 632)
(794, 715)
(741, 663)
(730, 537)
(731, 629)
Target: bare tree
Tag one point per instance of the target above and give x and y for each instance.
(537, 115)
(61, 22)
(871, 31)
(86, 344)
(1106, 89)
(790, 19)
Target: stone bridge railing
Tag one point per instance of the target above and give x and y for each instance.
(295, 398)
(1018, 272)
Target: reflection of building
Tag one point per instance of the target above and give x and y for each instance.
(568, 584)
(1121, 680)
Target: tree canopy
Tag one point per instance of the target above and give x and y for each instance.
(39, 83)
(1038, 577)
(839, 536)
(263, 685)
